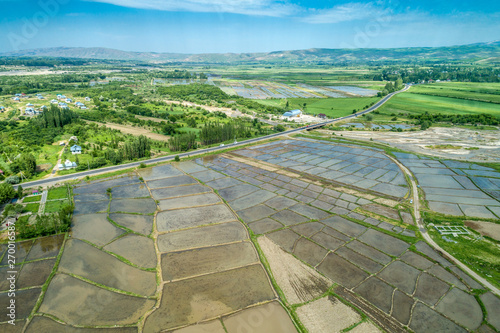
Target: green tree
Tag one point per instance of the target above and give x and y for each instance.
(12, 180)
(6, 192)
(20, 192)
(398, 84)
(279, 128)
(191, 122)
(27, 163)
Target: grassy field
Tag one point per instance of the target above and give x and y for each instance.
(55, 206)
(58, 193)
(481, 92)
(415, 103)
(35, 198)
(332, 107)
(32, 207)
(481, 255)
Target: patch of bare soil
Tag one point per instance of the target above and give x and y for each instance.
(485, 228)
(134, 130)
(298, 282)
(475, 145)
(43, 167)
(365, 327)
(327, 314)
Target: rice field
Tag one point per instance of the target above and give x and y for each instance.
(266, 89)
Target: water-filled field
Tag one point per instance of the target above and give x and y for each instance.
(202, 245)
(275, 90)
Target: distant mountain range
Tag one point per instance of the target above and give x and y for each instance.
(484, 52)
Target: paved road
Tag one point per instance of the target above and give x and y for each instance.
(45, 182)
(43, 200)
(431, 242)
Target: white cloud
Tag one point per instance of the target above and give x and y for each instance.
(346, 12)
(246, 7)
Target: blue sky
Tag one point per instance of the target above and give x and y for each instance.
(219, 26)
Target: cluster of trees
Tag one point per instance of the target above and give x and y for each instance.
(195, 92)
(54, 118)
(139, 110)
(391, 87)
(178, 74)
(44, 225)
(41, 62)
(183, 142)
(25, 163)
(215, 132)
(441, 72)
(139, 147)
(426, 120)
(7, 192)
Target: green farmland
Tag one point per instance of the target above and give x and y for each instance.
(481, 92)
(411, 102)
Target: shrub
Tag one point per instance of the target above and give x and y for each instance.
(12, 180)
(177, 158)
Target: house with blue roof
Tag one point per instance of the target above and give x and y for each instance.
(76, 149)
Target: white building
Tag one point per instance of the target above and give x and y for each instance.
(66, 165)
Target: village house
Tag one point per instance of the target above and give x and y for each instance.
(66, 165)
(76, 149)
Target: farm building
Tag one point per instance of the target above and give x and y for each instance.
(87, 99)
(293, 113)
(322, 116)
(74, 138)
(2, 108)
(76, 149)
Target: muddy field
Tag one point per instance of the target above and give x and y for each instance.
(228, 228)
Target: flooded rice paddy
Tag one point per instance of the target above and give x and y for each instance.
(200, 246)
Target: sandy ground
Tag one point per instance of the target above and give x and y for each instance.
(487, 142)
(298, 282)
(133, 130)
(303, 119)
(327, 314)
